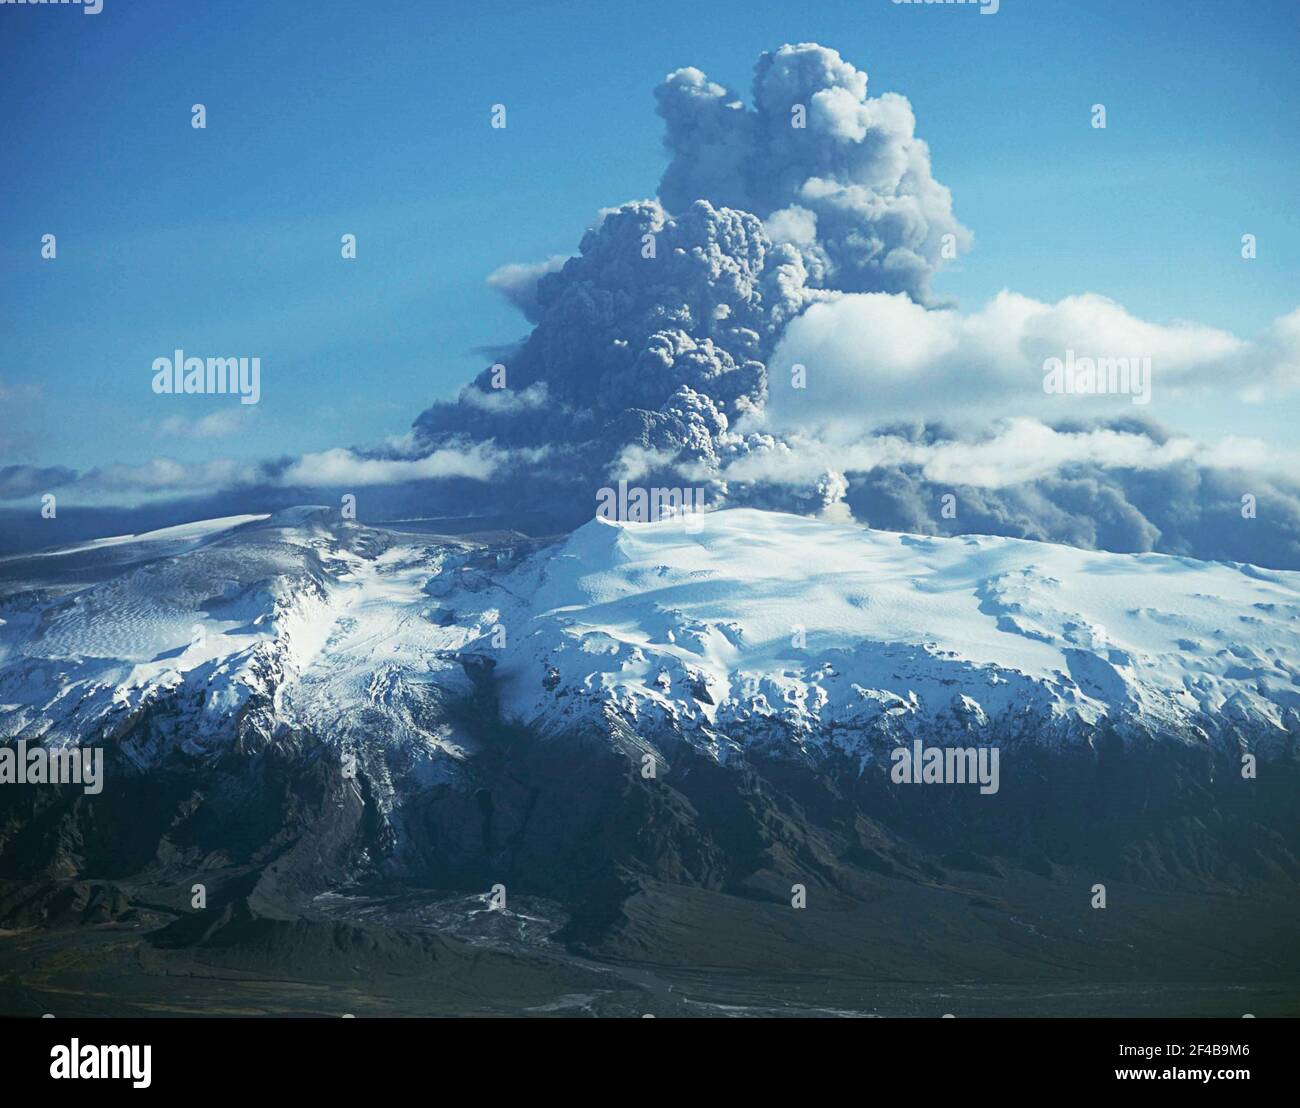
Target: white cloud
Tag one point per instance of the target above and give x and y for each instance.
(215, 425)
(635, 461)
(517, 282)
(1278, 360)
(505, 401)
(874, 357)
(166, 474)
(1015, 451)
(793, 224)
(340, 467)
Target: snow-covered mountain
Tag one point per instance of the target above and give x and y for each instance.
(738, 630)
(755, 626)
(236, 631)
(294, 707)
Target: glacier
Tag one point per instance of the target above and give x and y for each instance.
(738, 630)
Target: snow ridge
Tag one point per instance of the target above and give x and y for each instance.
(776, 628)
(735, 631)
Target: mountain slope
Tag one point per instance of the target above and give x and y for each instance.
(740, 627)
(753, 623)
(641, 720)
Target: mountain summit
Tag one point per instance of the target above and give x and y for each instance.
(738, 630)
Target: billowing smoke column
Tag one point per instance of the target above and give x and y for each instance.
(650, 358)
(622, 337)
(654, 340)
(838, 174)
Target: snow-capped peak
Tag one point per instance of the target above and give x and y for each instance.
(734, 630)
(745, 622)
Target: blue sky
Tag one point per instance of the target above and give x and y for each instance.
(373, 119)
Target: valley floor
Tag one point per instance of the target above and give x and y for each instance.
(681, 952)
